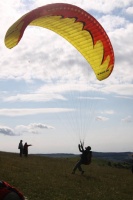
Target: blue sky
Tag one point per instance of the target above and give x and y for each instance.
(49, 96)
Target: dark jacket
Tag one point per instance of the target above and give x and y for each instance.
(86, 155)
(25, 150)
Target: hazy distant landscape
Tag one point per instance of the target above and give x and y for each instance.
(110, 156)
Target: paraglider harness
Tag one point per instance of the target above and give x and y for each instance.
(86, 154)
(5, 189)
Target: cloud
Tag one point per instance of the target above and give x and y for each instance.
(115, 22)
(54, 91)
(101, 118)
(34, 97)
(108, 112)
(25, 111)
(34, 128)
(129, 10)
(120, 89)
(93, 98)
(7, 131)
(103, 6)
(40, 126)
(124, 97)
(127, 119)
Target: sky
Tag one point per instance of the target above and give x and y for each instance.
(49, 95)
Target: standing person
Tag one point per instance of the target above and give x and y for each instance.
(85, 158)
(8, 192)
(132, 164)
(25, 151)
(20, 147)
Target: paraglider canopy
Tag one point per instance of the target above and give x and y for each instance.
(9, 192)
(74, 24)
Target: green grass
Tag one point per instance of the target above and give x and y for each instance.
(41, 178)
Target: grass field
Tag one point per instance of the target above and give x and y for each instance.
(42, 178)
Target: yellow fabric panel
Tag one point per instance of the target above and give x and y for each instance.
(81, 39)
(12, 37)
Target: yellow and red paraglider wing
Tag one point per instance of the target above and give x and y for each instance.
(75, 25)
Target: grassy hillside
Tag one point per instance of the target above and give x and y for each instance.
(42, 178)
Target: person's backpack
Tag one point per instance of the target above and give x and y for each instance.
(89, 156)
(6, 188)
(86, 157)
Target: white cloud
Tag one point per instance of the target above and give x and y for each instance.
(24, 111)
(108, 112)
(41, 126)
(104, 6)
(34, 128)
(129, 10)
(6, 131)
(34, 97)
(22, 129)
(101, 118)
(111, 22)
(127, 119)
(120, 89)
(121, 39)
(124, 97)
(93, 98)
(57, 90)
